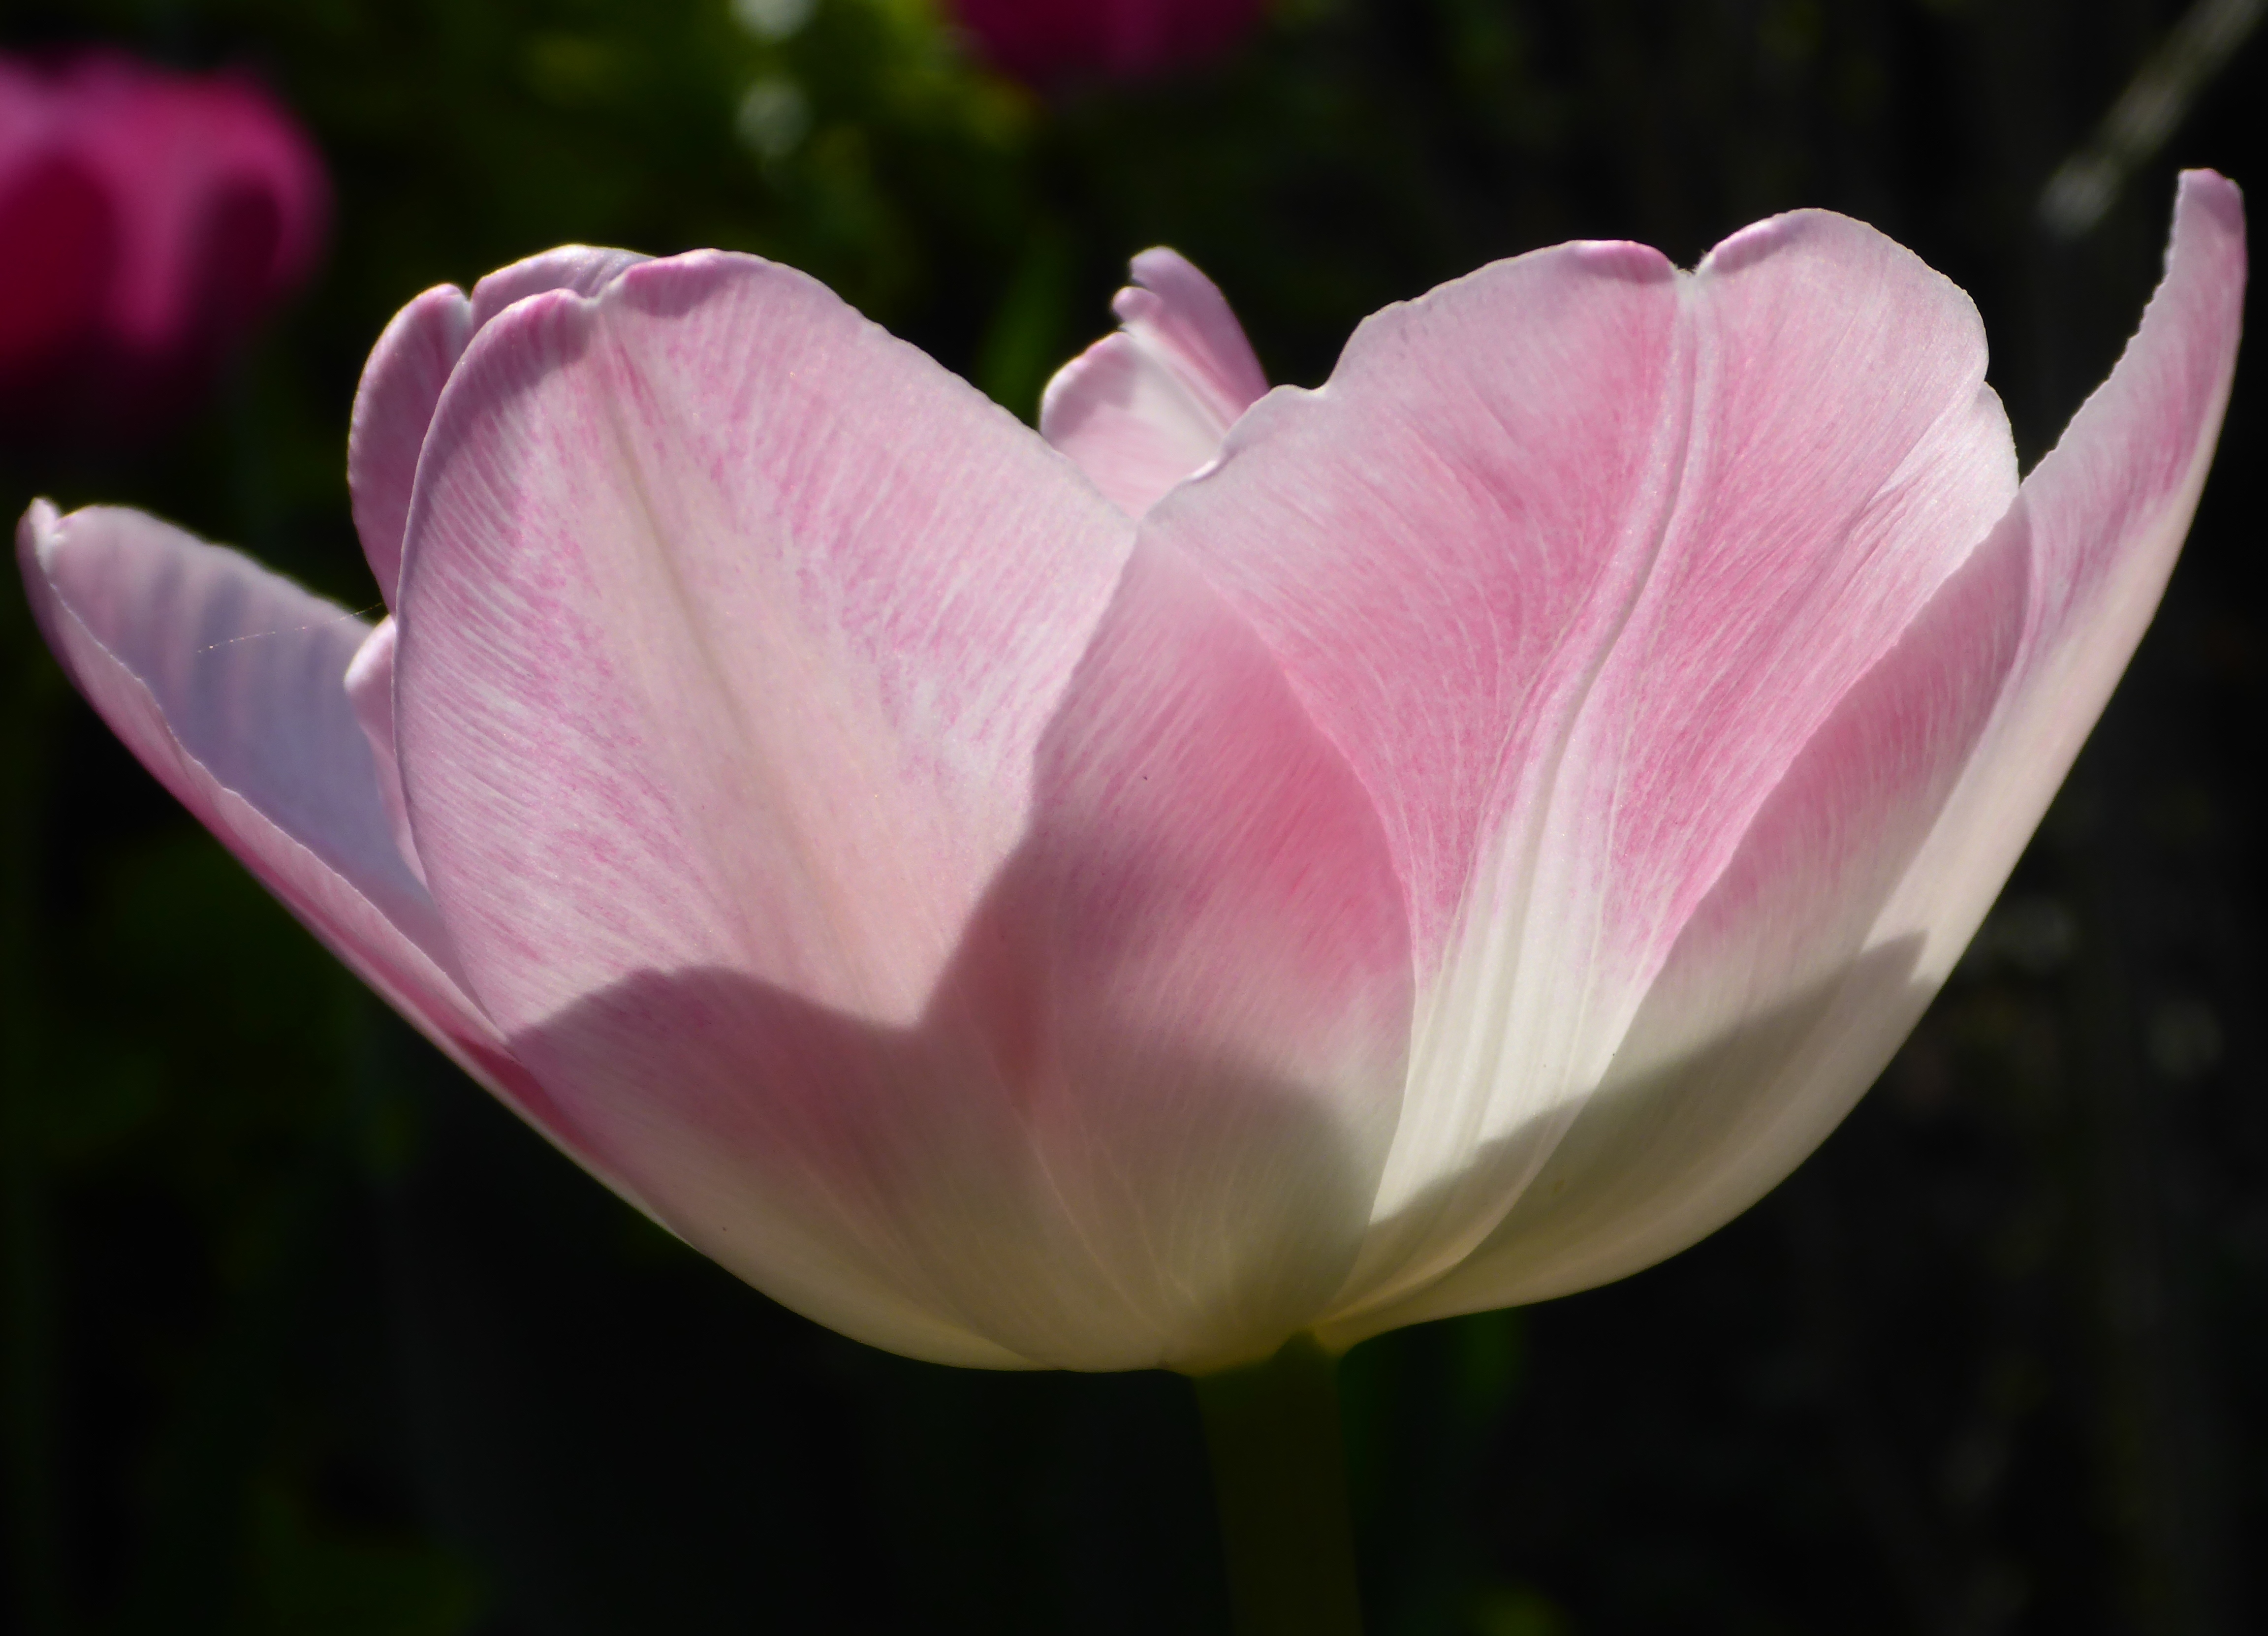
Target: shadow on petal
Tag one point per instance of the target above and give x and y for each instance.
(1664, 1152)
(951, 1191)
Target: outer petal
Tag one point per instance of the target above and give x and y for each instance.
(1871, 867)
(1140, 1118)
(410, 364)
(1144, 409)
(731, 634)
(1660, 526)
(226, 680)
(722, 548)
(393, 407)
(1207, 917)
(1784, 964)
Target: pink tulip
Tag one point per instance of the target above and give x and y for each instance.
(1043, 41)
(150, 218)
(1313, 865)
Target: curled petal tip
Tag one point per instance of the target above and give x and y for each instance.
(1148, 406)
(36, 525)
(409, 369)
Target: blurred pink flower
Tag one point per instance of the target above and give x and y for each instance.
(150, 218)
(1046, 40)
(1436, 842)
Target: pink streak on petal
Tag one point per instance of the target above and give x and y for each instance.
(1443, 545)
(1143, 409)
(1420, 539)
(1197, 972)
(1141, 1116)
(1845, 457)
(717, 483)
(407, 369)
(225, 680)
(1573, 559)
(1872, 866)
(1783, 965)
(730, 629)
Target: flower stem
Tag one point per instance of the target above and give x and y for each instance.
(1279, 1482)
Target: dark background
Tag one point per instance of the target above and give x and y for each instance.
(302, 1334)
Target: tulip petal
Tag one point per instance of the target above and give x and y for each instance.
(226, 680)
(403, 381)
(1573, 559)
(875, 583)
(369, 694)
(731, 628)
(1142, 1115)
(1194, 984)
(1143, 409)
(1873, 864)
(1783, 971)
(393, 407)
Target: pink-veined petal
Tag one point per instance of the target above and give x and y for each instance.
(393, 407)
(1146, 407)
(1871, 867)
(403, 381)
(730, 626)
(1783, 958)
(1195, 978)
(1141, 1116)
(227, 681)
(1573, 559)
(716, 485)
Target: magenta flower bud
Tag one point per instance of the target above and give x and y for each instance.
(1236, 864)
(149, 217)
(1048, 40)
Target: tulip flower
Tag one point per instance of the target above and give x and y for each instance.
(150, 218)
(1250, 869)
(1045, 41)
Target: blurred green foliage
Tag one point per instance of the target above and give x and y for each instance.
(302, 1334)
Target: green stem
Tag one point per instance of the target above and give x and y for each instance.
(1279, 1482)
